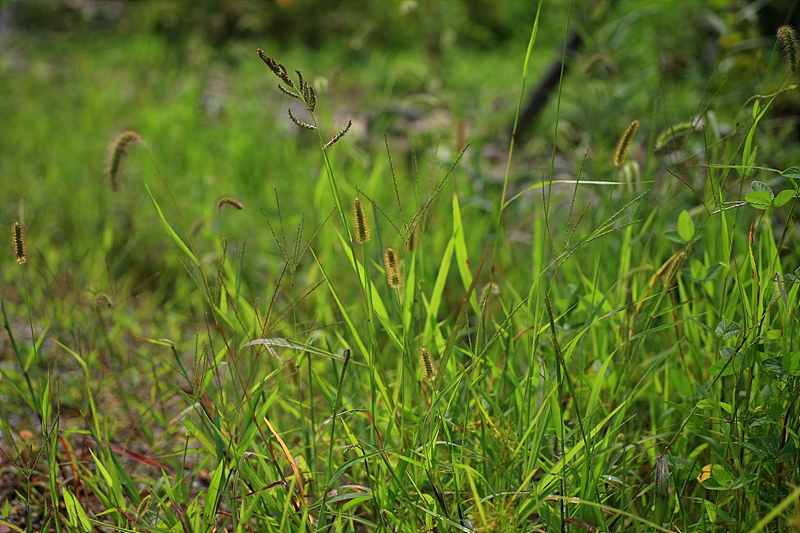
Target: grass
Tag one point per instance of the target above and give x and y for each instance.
(548, 344)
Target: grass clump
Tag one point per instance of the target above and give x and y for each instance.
(613, 353)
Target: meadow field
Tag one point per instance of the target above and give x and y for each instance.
(307, 266)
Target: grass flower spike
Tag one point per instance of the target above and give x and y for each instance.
(116, 153)
(427, 363)
(360, 221)
(788, 39)
(392, 263)
(625, 142)
(228, 201)
(20, 251)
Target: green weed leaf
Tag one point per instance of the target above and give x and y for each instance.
(761, 186)
(791, 363)
(784, 197)
(775, 365)
(685, 226)
(726, 330)
(791, 173)
(759, 199)
(764, 447)
(674, 236)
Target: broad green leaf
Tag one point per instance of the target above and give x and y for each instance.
(759, 199)
(791, 363)
(761, 186)
(685, 226)
(775, 365)
(698, 270)
(764, 447)
(784, 197)
(791, 172)
(674, 236)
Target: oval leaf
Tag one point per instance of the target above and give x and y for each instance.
(685, 226)
(784, 197)
(759, 199)
(761, 186)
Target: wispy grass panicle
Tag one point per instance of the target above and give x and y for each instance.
(116, 153)
(427, 363)
(625, 143)
(228, 201)
(20, 250)
(392, 263)
(787, 36)
(360, 221)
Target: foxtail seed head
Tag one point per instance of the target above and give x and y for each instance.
(670, 137)
(360, 221)
(427, 363)
(20, 251)
(228, 201)
(788, 39)
(625, 142)
(392, 263)
(115, 155)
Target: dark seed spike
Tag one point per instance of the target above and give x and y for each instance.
(300, 123)
(284, 90)
(312, 99)
(340, 134)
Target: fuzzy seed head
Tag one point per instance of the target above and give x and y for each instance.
(116, 153)
(392, 263)
(670, 137)
(625, 142)
(360, 221)
(228, 201)
(144, 506)
(20, 250)
(427, 363)
(787, 36)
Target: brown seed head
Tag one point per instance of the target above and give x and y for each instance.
(227, 200)
(115, 155)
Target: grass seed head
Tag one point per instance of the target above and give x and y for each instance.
(116, 153)
(20, 250)
(625, 142)
(228, 201)
(427, 363)
(360, 221)
(392, 262)
(787, 36)
(670, 137)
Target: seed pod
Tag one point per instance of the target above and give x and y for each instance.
(20, 250)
